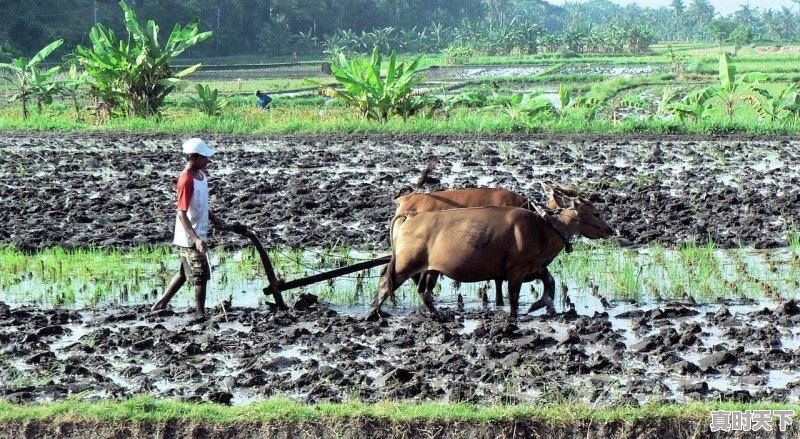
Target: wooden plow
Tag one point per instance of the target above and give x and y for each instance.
(277, 286)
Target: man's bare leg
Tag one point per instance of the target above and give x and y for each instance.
(175, 285)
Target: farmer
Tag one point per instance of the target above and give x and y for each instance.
(191, 226)
(263, 100)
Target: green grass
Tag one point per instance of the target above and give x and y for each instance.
(309, 119)
(144, 409)
(308, 113)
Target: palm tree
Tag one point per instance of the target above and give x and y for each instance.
(678, 7)
(746, 16)
(699, 14)
(786, 18)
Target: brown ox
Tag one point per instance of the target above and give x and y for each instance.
(454, 199)
(485, 243)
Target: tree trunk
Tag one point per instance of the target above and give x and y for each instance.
(24, 106)
(78, 117)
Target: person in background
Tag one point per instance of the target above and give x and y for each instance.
(191, 226)
(264, 100)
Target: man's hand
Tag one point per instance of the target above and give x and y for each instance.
(200, 245)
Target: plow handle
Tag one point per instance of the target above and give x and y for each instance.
(274, 284)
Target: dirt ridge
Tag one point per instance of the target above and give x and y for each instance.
(364, 428)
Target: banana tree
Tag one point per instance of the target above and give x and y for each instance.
(694, 105)
(733, 90)
(27, 78)
(588, 106)
(70, 87)
(669, 97)
(136, 70)
(376, 96)
(626, 103)
(783, 106)
(520, 105)
(209, 101)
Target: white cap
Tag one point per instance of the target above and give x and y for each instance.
(197, 146)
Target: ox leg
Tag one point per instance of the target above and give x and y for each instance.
(498, 294)
(548, 294)
(514, 287)
(425, 289)
(417, 278)
(387, 285)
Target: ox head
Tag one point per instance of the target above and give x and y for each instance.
(578, 214)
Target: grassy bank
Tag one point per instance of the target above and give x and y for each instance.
(150, 409)
(313, 119)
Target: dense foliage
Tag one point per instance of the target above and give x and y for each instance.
(283, 27)
(134, 73)
(377, 96)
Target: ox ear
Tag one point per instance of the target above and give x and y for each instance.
(558, 195)
(568, 191)
(563, 201)
(547, 189)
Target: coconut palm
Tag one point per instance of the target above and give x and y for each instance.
(747, 17)
(787, 22)
(679, 8)
(699, 14)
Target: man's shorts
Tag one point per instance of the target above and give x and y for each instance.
(195, 265)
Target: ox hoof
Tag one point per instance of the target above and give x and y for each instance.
(539, 304)
(375, 315)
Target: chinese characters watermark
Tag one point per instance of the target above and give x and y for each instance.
(750, 420)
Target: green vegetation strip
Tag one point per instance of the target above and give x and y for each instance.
(71, 278)
(153, 410)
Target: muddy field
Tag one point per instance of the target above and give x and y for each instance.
(116, 190)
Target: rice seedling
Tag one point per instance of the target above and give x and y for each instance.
(61, 277)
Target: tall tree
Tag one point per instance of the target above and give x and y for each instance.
(497, 11)
(678, 8)
(787, 23)
(746, 16)
(699, 14)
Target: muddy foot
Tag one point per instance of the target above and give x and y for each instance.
(543, 303)
(375, 315)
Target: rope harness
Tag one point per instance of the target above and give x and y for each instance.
(551, 216)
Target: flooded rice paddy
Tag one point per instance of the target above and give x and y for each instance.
(694, 299)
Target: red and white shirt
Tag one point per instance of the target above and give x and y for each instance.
(193, 199)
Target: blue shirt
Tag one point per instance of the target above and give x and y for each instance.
(264, 100)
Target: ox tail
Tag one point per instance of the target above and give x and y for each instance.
(386, 284)
(425, 173)
(423, 177)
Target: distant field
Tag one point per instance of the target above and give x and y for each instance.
(625, 95)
